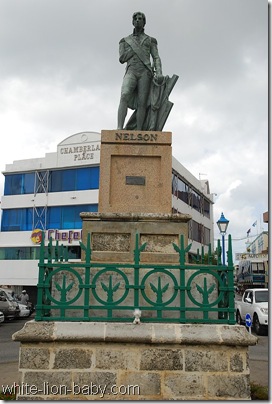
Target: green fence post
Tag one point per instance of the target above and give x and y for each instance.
(231, 294)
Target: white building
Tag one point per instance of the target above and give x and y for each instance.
(47, 194)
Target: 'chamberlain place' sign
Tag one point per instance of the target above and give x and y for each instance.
(80, 153)
(80, 149)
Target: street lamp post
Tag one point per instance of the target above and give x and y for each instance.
(222, 224)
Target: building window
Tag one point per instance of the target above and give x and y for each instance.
(33, 253)
(19, 253)
(183, 191)
(196, 232)
(78, 179)
(87, 178)
(199, 233)
(17, 184)
(68, 217)
(57, 217)
(260, 244)
(174, 185)
(206, 208)
(195, 201)
(258, 267)
(17, 219)
(207, 236)
(190, 196)
(55, 181)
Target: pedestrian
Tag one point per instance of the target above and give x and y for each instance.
(24, 298)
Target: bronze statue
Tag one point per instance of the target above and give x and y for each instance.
(144, 88)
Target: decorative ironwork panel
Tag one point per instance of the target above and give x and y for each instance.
(95, 291)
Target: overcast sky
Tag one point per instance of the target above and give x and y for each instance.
(60, 75)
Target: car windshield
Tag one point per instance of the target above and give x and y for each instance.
(261, 296)
(10, 297)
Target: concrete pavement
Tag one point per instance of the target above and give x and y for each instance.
(9, 373)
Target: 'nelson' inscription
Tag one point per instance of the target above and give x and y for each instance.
(137, 137)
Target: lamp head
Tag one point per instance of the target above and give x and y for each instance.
(222, 224)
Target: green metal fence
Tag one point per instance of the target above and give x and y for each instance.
(95, 291)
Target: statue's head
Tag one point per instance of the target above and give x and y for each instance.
(138, 13)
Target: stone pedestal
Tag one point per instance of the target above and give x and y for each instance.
(113, 240)
(109, 361)
(135, 172)
(113, 235)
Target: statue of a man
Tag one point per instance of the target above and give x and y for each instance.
(136, 50)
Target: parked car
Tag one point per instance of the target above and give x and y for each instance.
(255, 303)
(8, 305)
(24, 310)
(27, 309)
(2, 317)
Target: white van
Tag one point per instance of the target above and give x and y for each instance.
(8, 306)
